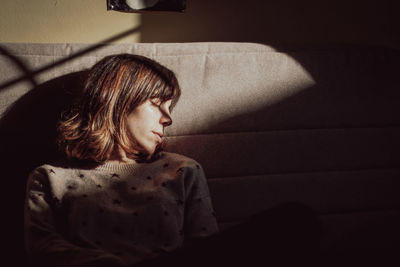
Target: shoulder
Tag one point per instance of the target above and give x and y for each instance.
(179, 160)
(51, 170)
(192, 175)
(65, 167)
(44, 170)
(187, 168)
(59, 179)
(53, 174)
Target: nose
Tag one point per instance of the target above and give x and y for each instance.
(165, 119)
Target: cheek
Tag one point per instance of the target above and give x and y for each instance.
(140, 124)
(135, 130)
(140, 130)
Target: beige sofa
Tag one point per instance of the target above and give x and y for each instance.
(316, 125)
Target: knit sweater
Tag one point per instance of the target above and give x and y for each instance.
(115, 214)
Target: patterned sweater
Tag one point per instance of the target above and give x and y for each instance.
(115, 214)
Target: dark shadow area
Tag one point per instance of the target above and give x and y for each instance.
(275, 23)
(27, 140)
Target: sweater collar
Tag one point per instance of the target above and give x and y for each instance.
(117, 167)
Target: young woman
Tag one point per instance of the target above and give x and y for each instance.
(119, 200)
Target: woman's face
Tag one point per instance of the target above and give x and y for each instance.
(146, 123)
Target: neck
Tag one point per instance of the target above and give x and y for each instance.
(119, 156)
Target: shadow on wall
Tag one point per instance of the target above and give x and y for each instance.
(30, 74)
(29, 125)
(277, 22)
(27, 134)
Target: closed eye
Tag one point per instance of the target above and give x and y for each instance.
(156, 102)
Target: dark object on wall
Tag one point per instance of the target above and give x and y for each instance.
(132, 6)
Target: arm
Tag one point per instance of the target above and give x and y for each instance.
(45, 245)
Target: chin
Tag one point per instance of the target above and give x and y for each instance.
(158, 148)
(150, 150)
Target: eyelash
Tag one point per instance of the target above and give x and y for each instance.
(156, 104)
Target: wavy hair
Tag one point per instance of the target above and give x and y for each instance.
(114, 87)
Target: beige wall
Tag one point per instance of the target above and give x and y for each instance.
(60, 21)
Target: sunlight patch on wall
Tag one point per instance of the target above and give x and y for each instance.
(233, 85)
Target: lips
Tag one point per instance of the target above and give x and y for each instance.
(159, 135)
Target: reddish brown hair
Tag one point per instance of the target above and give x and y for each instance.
(114, 87)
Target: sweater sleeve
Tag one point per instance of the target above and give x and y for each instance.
(200, 220)
(44, 244)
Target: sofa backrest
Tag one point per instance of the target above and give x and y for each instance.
(313, 125)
